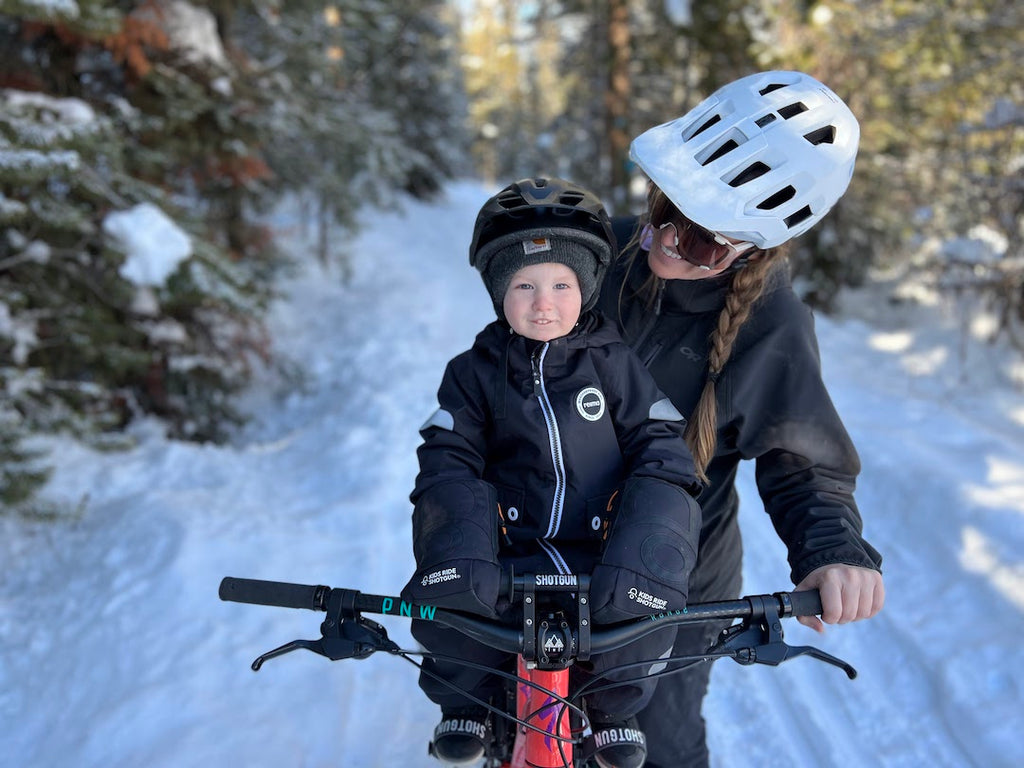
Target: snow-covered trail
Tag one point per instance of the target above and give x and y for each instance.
(116, 652)
(942, 494)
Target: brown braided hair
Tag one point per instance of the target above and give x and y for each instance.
(747, 284)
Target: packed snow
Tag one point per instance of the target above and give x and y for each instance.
(115, 651)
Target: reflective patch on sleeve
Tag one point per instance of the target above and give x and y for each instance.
(441, 419)
(663, 410)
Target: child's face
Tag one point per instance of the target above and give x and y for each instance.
(543, 301)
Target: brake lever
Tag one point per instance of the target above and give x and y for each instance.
(345, 634)
(817, 653)
(761, 642)
(294, 645)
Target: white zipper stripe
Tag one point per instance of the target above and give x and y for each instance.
(556, 557)
(555, 442)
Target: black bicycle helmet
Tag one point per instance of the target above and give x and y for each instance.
(542, 220)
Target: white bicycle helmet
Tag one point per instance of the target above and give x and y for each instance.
(762, 159)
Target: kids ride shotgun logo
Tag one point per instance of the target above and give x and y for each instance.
(647, 600)
(439, 577)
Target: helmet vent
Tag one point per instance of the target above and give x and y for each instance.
(509, 200)
(792, 110)
(704, 127)
(795, 218)
(763, 121)
(749, 173)
(724, 149)
(825, 135)
(784, 194)
(769, 88)
(570, 198)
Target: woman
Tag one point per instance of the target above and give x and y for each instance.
(702, 293)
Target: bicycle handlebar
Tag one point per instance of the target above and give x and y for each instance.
(276, 593)
(503, 637)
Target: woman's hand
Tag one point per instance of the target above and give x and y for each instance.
(848, 593)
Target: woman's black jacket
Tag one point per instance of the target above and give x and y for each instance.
(773, 407)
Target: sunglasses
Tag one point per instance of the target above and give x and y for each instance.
(696, 245)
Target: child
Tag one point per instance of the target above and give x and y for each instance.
(553, 451)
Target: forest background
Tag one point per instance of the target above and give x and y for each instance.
(186, 122)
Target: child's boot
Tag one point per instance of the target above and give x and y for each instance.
(618, 742)
(461, 736)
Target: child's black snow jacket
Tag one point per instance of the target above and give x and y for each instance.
(556, 427)
(538, 438)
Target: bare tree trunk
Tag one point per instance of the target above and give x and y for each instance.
(617, 102)
(323, 225)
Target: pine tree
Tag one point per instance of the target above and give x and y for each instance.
(364, 99)
(937, 93)
(496, 80)
(416, 78)
(101, 112)
(21, 469)
(197, 118)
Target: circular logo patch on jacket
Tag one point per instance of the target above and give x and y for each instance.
(590, 403)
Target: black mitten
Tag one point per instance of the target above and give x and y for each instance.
(651, 549)
(455, 541)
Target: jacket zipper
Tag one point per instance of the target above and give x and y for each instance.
(554, 440)
(561, 566)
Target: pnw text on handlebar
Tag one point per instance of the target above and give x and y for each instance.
(387, 607)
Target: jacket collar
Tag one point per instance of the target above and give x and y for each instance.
(591, 330)
(695, 295)
(683, 296)
(699, 296)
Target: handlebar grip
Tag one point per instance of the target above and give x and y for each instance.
(277, 593)
(807, 603)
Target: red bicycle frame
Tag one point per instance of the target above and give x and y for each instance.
(534, 705)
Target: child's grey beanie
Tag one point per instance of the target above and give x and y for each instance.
(584, 253)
